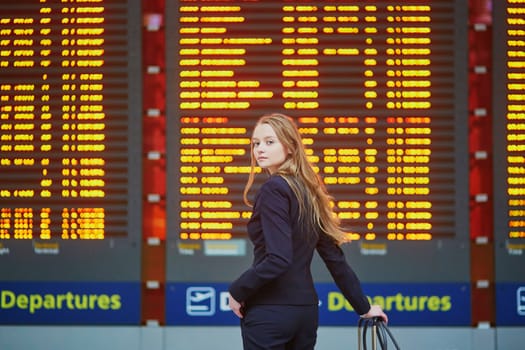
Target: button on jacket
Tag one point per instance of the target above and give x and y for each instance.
(280, 273)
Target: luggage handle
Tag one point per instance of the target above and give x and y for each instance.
(379, 333)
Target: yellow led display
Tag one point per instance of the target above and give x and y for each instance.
(362, 81)
(55, 135)
(515, 120)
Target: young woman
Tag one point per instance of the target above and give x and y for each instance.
(292, 217)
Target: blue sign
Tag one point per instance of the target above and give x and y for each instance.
(198, 304)
(72, 303)
(411, 304)
(510, 304)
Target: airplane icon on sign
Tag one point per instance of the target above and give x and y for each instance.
(197, 297)
(200, 301)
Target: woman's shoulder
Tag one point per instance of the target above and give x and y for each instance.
(276, 183)
(277, 191)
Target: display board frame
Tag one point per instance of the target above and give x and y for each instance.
(117, 256)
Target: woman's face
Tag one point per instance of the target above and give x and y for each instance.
(267, 149)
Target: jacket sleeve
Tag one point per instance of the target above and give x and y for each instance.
(273, 206)
(343, 275)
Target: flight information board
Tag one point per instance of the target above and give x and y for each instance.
(509, 161)
(509, 138)
(70, 127)
(510, 121)
(378, 91)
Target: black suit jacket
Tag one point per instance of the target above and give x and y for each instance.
(280, 273)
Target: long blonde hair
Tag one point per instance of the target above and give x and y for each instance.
(314, 200)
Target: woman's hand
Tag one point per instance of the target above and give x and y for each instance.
(235, 306)
(376, 311)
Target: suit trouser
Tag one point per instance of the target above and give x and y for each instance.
(280, 327)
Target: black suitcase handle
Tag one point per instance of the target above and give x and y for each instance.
(379, 331)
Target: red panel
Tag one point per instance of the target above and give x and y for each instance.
(480, 147)
(154, 168)
(484, 311)
(153, 304)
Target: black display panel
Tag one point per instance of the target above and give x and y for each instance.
(70, 140)
(379, 93)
